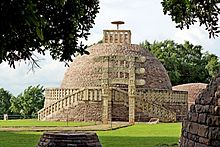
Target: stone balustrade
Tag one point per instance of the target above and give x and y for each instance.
(152, 109)
(58, 93)
(119, 95)
(174, 101)
(85, 94)
(54, 94)
(164, 96)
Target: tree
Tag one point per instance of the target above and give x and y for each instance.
(213, 64)
(29, 102)
(36, 26)
(187, 12)
(185, 63)
(5, 104)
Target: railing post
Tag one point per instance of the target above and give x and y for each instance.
(38, 116)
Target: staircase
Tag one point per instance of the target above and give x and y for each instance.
(152, 110)
(94, 94)
(146, 106)
(85, 94)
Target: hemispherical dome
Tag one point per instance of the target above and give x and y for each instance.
(83, 70)
(193, 89)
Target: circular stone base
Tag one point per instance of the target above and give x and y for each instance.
(65, 139)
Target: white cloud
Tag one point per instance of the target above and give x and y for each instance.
(198, 36)
(16, 80)
(195, 35)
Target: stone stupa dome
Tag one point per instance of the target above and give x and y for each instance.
(193, 89)
(83, 70)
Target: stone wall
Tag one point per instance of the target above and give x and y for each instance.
(202, 125)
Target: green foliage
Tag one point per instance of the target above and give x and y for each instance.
(29, 102)
(185, 63)
(5, 104)
(186, 12)
(30, 26)
(213, 64)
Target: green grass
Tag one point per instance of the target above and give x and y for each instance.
(140, 135)
(19, 139)
(34, 122)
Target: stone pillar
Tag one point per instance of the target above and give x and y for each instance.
(132, 90)
(105, 90)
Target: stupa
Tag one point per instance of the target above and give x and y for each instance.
(116, 81)
(193, 89)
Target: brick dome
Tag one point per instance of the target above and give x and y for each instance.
(193, 89)
(83, 70)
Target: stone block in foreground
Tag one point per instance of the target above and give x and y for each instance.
(202, 125)
(69, 139)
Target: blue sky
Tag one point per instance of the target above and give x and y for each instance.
(144, 18)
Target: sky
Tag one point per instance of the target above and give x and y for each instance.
(144, 18)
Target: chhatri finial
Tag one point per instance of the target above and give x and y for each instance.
(118, 23)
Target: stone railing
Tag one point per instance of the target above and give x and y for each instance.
(117, 36)
(54, 94)
(58, 93)
(154, 110)
(175, 101)
(164, 96)
(85, 94)
(150, 109)
(119, 96)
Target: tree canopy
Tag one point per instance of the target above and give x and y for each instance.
(187, 12)
(29, 102)
(185, 63)
(36, 26)
(5, 104)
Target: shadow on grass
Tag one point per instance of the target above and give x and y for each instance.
(19, 139)
(129, 141)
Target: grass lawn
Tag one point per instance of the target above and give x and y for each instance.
(36, 123)
(140, 135)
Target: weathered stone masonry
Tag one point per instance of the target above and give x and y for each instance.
(202, 126)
